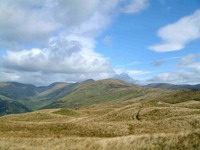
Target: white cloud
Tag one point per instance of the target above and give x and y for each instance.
(70, 55)
(191, 61)
(54, 40)
(177, 35)
(8, 75)
(135, 6)
(41, 78)
(70, 59)
(191, 75)
(177, 77)
(32, 22)
(21, 22)
(137, 72)
(132, 73)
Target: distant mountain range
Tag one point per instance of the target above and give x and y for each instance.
(173, 86)
(18, 98)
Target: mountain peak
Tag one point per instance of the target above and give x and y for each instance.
(124, 77)
(88, 81)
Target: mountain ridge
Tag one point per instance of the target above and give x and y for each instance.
(88, 92)
(173, 86)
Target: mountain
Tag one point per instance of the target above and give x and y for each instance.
(51, 94)
(54, 90)
(173, 86)
(35, 97)
(24, 94)
(94, 92)
(125, 77)
(18, 91)
(73, 95)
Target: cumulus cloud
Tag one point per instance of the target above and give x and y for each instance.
(135, 6)
(54, 40)
(70, 59)
(177, 35)
(25, 22)
(177, 77)
(191, 61)
(69, 55)
(41, 78)
(32, 22)
(132, 73)
(191, 75)
(137, 72)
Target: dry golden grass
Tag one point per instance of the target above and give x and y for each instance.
(115, 125)
(181, 141)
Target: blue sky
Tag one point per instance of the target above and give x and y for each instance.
(150, 41)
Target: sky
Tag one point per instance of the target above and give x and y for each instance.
(141, 41)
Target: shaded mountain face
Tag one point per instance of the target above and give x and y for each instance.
(17, 91)
(173, 86)
(34, 97)
(12, 107)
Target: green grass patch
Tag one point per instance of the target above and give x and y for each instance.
(67, 112)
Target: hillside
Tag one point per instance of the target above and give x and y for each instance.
(12, 107)
(153, 124)
(54, 90)
(106, 114)
(35, 97)
(50, 94)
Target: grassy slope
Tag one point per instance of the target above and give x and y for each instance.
(154, 124)
(51, 89)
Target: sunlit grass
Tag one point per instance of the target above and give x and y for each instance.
(115, 125)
